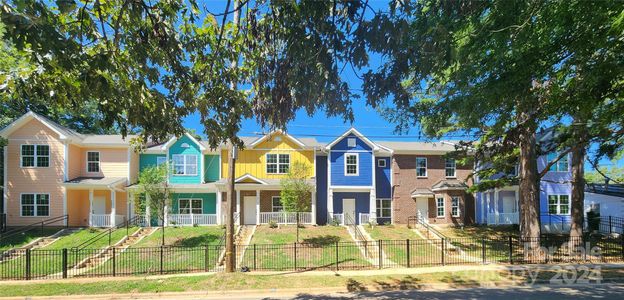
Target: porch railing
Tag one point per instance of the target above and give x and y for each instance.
(236, 218)
(192, 219)
(502, 218)
(105, 220)
(335, 218)
(364, 218)
(285, 217)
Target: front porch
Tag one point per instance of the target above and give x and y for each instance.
(500, 206)
(97, 202)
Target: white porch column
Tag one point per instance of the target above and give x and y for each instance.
(313, 207)
(372, 209)
(257, 206)
(496, 205)
(166, 215)
(517, 204)
(238, 207)
(219, 207)
(148, 211)
(113, 208)
(330, 204)
(90, 207)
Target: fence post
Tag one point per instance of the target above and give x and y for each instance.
(64, 263)
(336, 256)
(109, 237)
(380, 255)
(483, 250)
(161, 259)
(442, 253)
(206, 259)
(254, 257)
(408, 253)
(295, 256)
(114, 264)
(510, 250)
(28, 264)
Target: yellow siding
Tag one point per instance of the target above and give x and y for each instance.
(253, 161)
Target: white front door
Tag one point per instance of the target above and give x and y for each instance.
(348, 210)
(422, 208)
(249, 204)
(509, 204)
(99, 205)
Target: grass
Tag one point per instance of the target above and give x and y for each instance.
(421, 252)
(187, 249)
(319, 247)
(22, 239)
(48, 260)
(239, 281)
(471, 240)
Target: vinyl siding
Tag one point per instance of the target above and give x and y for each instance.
(211, 168)
(113, 162)
(362, 203)
(148, 160)
(209, 201)
(382, 178)
(193, 149)
(337, 163)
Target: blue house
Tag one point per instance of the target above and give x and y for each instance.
(193, 171)
(358, 176)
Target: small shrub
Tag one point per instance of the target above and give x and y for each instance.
(335, 222)
(372, 223)
(272, 224)
(388, 223)
(195, 225)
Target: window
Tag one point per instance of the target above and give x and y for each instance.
(440, 206)
(161, 160)
(276, 204)
(384, 208)
(558, 204)
(351, 165)
(455, 206)
(450, 167)
(35, 156)
(35, 205)
(381, 163)
(561, 165)
(184, 164)
(277, 163)
(93, 162)
(421, 167)
(190, 206)
(351, 142)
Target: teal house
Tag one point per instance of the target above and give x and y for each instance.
(193, 170)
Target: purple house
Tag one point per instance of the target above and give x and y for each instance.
(500, 206)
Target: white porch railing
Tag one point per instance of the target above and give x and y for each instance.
(335, 218)
(191, 219)
(364, 218)
(285, 217)
(105, 220)
(502, 218)
(236, 218)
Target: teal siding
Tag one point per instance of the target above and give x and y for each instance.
(147, 160)
(193, 148)
(211, 168)
(209, 201)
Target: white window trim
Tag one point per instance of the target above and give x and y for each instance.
(454, 168)
(98, 162)
(357, 164)
(273, 206)
(426, 167)
(164, 158)
(184, 164)
(556, 164)
(384, 163)
(277, 164)
(458, 207)
(35, 156)
(380, 209)
(559, 204)
(34, 205)
(443, 206)
(190, 200)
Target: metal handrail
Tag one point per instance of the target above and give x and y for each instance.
(417, 220)
(126, 224)
(32, 226)
(356, 231)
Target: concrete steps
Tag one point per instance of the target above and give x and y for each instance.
(107, 253)
(36, 244)
(242, 240)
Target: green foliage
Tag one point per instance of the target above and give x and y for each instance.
(154, 190)
(272, 224)
(616, 174)
(296, 191)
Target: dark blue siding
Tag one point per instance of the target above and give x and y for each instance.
(361, 202)
(359, 144)
(321, 189)
(365, 176)
(382, 179)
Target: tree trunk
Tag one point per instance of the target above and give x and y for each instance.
(230, 260)
(578, 185)
(297, 227)
(529, 184)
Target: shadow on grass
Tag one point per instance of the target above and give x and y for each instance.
(320, 241)
(406, 283)
(200, 240)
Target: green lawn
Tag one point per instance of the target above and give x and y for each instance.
(186, 249)
(319, 247)
(395, 245)
(48, 260)
(22, 239)
(471, 239)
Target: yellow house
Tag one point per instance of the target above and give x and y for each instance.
(260, 166)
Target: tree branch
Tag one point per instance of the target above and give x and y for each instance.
(554, 161)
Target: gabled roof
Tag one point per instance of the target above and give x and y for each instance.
(248, 176)
(418, 147)
(63, 132)
(353, 131)
(449, 184)
(268, 135)
(172, 141)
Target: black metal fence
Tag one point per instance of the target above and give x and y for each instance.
(330, 255)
